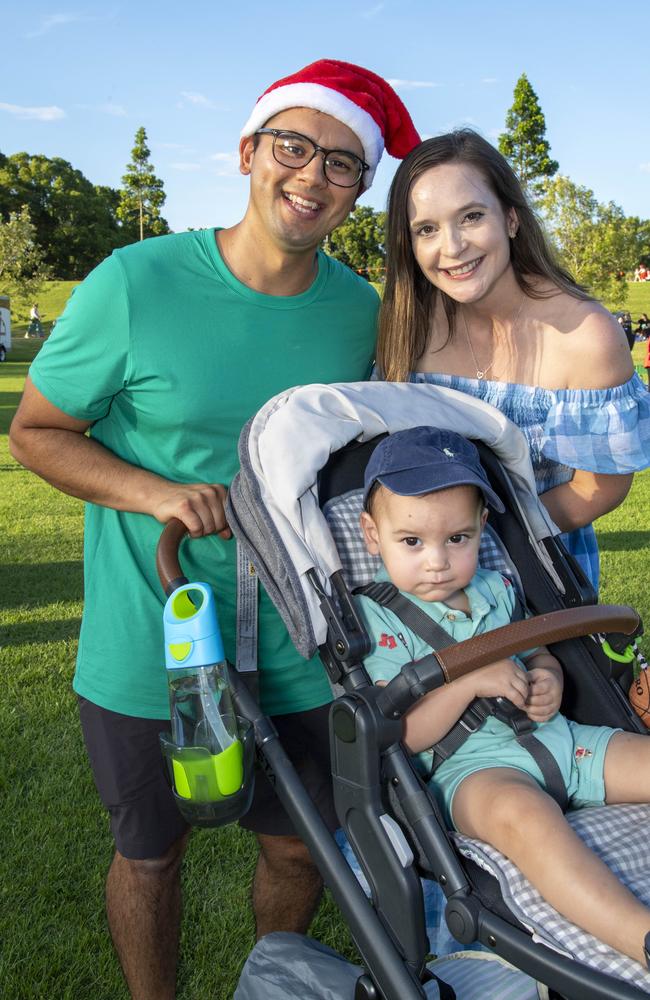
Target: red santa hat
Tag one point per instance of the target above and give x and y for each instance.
(360, 99)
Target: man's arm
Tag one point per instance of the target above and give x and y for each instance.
(55, 446)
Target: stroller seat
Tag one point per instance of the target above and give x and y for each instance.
(616, 833)
(274, 509)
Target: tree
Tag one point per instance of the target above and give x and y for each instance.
(595, 242)
(22, 270)
(524, 142)
(359, 242)
(142, 195)
(75, 221)
(643, 241)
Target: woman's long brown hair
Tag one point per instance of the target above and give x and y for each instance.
(409, 301)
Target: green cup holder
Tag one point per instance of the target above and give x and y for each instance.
(212, 789)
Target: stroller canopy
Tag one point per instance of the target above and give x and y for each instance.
(273, 507)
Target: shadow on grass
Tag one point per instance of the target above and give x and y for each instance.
(623, 541)
(33, 584)
(31, 633)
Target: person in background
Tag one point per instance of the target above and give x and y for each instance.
(35, 328)
(643, 326)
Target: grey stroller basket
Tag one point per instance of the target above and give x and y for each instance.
(388, 814)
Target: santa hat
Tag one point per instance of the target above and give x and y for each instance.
(355, 96)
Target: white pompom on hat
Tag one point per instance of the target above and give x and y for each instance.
(360, 99)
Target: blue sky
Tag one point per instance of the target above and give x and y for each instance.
(77, 81)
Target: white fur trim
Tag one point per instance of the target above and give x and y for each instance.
(330, 102)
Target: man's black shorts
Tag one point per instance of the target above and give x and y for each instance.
(132, 781)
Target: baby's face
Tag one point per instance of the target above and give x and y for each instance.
(429, 544)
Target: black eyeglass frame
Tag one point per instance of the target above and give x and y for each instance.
(277, 132)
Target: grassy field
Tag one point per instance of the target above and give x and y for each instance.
(54, 833)
(51, 303)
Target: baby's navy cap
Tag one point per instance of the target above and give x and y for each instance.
(424, 460)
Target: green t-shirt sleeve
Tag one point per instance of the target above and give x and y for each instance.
(86, 360)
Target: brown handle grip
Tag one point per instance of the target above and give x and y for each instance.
(167, 562)
(462, 658)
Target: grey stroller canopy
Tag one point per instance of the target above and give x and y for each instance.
(273, 504)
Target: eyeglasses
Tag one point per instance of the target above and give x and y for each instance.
(291, 149)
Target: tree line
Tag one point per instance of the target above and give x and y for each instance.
(597, 243)
(54, 222)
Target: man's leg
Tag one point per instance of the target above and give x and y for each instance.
(143, 896)
(287, 886)
(509, 810)
(143, 904)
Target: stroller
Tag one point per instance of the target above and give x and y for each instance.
(296, 515)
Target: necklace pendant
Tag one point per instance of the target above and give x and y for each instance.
(480, 374)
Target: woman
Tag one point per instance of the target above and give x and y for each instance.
(474, 300)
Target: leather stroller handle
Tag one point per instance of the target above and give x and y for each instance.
(167, 561)
(570, 623)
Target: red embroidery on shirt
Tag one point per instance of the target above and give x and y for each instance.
(387, 640)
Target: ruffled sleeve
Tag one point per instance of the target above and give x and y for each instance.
(600, 430)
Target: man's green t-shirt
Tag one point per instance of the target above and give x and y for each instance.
(169, 355)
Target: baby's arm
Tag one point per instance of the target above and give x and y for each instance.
(546, 683)
(435, 713)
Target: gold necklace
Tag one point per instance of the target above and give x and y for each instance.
(482, 372)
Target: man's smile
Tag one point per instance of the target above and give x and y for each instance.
(303, 206)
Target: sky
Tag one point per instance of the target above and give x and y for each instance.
(78, 80)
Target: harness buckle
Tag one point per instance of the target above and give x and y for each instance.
(472, 720)
(505, 711)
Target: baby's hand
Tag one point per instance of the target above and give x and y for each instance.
(502, 679)
(545, 693)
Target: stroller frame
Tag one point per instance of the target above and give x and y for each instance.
(369, 765)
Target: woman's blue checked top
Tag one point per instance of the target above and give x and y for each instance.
(599, 430)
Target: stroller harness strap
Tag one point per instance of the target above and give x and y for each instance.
(388, 596)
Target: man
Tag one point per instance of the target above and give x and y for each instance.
(35, 327)
(163, 353)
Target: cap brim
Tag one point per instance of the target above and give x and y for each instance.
(413, 482)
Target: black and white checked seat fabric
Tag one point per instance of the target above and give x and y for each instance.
(359, 568)
(620, 835)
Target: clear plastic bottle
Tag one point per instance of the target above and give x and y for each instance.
(205, 748)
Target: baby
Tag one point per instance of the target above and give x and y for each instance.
(425, 508)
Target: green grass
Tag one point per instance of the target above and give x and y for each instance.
(56, 846)
(638, 298)
(51, 303)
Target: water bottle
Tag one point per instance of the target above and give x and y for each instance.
(208, 754)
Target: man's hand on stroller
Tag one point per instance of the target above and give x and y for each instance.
(200, 506)
(546, 683)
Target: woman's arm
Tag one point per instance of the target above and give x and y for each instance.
(595, 355)
(587, 496)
